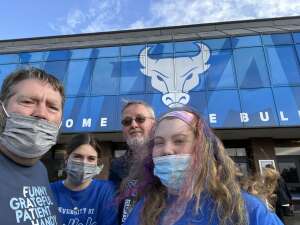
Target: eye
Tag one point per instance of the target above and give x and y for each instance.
(189, 76)
(159, 78)
(179, 141)
(158, 143)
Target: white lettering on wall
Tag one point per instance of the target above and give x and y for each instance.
(244, 117)
(213, 118)
(86, 122)
(103, 122)
(282, 117)
(69, 123)
(264, 116)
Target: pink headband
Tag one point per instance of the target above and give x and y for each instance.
(185, 116)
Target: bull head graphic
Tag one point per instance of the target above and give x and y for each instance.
(175, 86)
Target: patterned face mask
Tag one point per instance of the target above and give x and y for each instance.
(171, 169)
(26, 136)
(78, 172)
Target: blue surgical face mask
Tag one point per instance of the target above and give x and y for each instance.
(171, 169)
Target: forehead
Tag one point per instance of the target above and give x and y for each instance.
(136, 109)
(85, 149)
(172, 126)
(35, 88)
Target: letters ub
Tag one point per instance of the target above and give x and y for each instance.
(175, 85)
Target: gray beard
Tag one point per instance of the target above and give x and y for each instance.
(138, 147)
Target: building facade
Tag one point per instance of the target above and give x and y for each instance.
(243, 77)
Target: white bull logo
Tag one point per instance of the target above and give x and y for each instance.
(175, 86)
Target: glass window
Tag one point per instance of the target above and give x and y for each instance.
(5, 70)
(26, 57)
(160, 48)
(277, 39)
(78, 79)
(83, 53)
(9, 58)
(132, 79)
(221, 73)
(251, 68)
(258, 109)
(187, 46)
(287, 100)
(57, 69)
(198, 101)
(283, 64)
(298, 51)
(246, 41)
(160, 70)
(224, 109)
(107, 52)
(132, 50)
(288, 171)
(90, 114)
(221, 43)
(296, 37)
(190, 71)
(58, 55)
(106, 76)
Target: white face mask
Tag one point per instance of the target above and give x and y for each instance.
(27, 136)
(78, 172)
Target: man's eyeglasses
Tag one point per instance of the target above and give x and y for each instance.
(139, 119)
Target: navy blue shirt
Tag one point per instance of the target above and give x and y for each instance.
(93, 205)
(25, 195)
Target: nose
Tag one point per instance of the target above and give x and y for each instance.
(168, 148)
(175, 99)
(40, 111)
(134, 124)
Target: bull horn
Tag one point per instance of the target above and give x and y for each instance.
(145, 53)
(203, 55)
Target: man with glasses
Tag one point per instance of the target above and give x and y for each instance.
(138, 119)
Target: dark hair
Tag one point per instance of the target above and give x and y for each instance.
(82, 139)
(28, 73)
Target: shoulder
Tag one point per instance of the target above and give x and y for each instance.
(56, 185)
(258, 213)
(104, 186)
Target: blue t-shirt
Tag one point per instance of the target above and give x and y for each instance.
(94, 205)
(258, 214)
(25, 195)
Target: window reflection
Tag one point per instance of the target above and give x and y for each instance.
(288, 171)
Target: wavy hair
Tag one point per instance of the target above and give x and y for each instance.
(212, 173)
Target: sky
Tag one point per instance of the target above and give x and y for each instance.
(39, 18)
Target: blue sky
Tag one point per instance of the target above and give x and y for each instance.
(37, 18)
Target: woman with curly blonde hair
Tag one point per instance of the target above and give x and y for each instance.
(188, 178)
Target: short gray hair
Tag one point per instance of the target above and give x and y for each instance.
(138, 102)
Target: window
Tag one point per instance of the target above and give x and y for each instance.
(27, 57)
(276, 39)
(221, 74)
(57, 68)
(78, 77)
(284, 68)
(106, 52)
(251, 68)
(288, 171)
(259, 107)
(220, 43)
(132, 50)
(287, 100)
(224, 109)
(9, 58)
(245, 41)
(160, 48)
(186, 46)
(132, 79)
(106, 76)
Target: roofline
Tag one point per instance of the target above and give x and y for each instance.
(154, 29)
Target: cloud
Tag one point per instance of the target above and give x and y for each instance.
(171, 12)
(106, 15)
